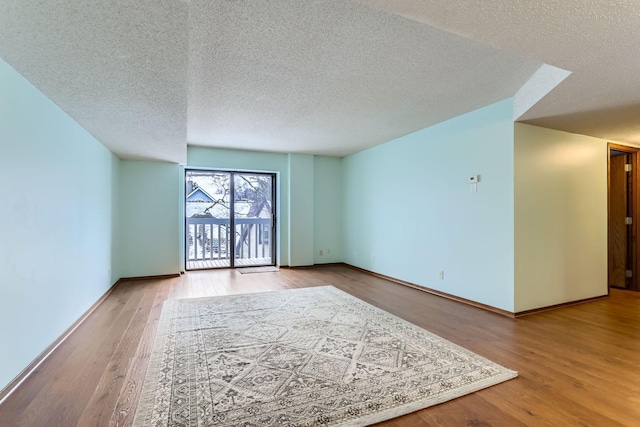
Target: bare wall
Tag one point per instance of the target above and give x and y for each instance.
(560, 217)
(58, 222)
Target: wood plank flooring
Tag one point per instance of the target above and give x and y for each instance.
(578, 366)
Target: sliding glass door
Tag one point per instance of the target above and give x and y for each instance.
(254, 219)
(230, 219)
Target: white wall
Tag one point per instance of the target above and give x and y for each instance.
(409, 212)
(560, 217)
(149, 218)
(58, 222)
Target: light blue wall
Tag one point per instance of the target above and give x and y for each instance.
(328, 209)
(409, 212)
(301, 209)
(149, 218)
(309, 198)
(58, 222)
(199, 157)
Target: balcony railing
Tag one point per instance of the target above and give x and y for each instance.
(210, 243)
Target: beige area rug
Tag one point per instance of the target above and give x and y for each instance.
(266, 269)
(300, 357)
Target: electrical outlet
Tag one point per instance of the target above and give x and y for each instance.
(328, 251)
(441, 275)
(321, 252)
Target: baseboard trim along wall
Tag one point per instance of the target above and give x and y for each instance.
(434, 292)
(300, 267)
(474, 303)
(22, 376)
(13, 385)
(557, 306)
(158, 277)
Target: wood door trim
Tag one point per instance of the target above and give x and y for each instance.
(635, 195)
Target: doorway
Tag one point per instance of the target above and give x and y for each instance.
(229, 219)
(623, 217)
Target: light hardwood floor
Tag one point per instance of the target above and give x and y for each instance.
(578, 366)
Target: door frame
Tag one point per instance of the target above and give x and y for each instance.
(274, 211)
(634, 193)
(273, 240)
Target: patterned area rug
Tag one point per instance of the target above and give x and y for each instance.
(300, 357)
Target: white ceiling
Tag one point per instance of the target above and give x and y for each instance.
(330, 77)
(598, 41)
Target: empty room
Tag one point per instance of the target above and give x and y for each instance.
(335, 213)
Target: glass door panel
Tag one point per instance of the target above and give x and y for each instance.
(208, 219)
(229, 219)
(254, 219)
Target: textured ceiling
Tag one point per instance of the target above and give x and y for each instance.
(331, 77)
(597, 41)
(119, 68)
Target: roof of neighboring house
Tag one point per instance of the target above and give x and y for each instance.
(205, 195)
